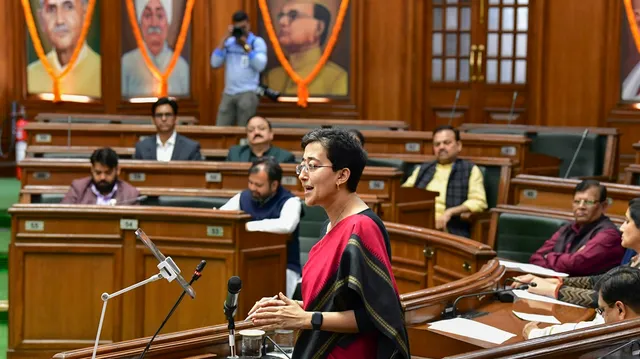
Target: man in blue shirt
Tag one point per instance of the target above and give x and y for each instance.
(245, 56)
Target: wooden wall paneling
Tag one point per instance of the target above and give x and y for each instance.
(535, 70)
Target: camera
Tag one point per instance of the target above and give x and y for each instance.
(237, 31)
(267, 92)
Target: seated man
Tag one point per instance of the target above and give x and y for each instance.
(259, 137)
(357, 135)
(618, 300)
(273, 209)
(589, 245)
(103, 186)
(459, 182)
(167, 145)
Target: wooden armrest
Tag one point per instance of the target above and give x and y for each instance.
(475, 216)
(597, 178)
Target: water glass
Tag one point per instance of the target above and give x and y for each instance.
(251, 343)
(284, 339)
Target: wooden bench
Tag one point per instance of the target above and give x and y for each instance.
(378, 143)
(557, 193)
(610, 137)
(105, 118)
(280, 122)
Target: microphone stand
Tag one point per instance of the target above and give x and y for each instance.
(275, 345)
(450, 311)
(196, 275)
(575, 155)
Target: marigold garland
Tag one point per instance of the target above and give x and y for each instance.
(37, 44)
(632, 23)
(182, 37)
(303, 90)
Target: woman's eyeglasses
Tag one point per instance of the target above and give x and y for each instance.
(303, 167)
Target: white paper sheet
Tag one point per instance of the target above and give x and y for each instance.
(541, 298)
(532, 268)
(472, 329)
(537, 317)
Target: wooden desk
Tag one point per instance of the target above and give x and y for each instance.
(515, 147)
(403, 205)
(557, 193)
(325, 122)
(104, 118)
(62, 257)
(632, 174)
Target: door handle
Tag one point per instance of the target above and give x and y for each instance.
(472, 59)
(479, 62)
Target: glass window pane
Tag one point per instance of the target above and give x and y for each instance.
(451, 45)
(492, 71)
(464, 70)
(523, 2)
(437, 18)
(492, 45)
(436, 44)
(452, 1)
(465, 43)
(450, 70)
(437, 2)
(494, 15)
(436, 70)
(494, 2)
(507, 2)
(521, 45)
(505, 71)
(521, 71)
(465, 18)
(506, 45)
(452, 18)
(523, 18)
(508, 20)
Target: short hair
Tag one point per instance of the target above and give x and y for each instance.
(634, 211)
(343, 151)
(447, 128)
(586, 184)
(239, 16)
(358, 135)
(165, 101)
(105, 156)
(264, 118)
(620, 284)
(270, 166)
(321, 13)
(83, 1)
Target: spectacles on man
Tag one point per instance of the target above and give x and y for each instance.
(587, 202)
(163, 114)
(292, 15)
(303, 167)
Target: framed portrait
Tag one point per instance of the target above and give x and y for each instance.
(303, 28)
(59, 24)
(160, 22)
(630, 53)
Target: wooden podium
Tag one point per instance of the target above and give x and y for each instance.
(62, 258)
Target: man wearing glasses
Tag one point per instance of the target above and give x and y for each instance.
(303, 28)
(589, 245)
(167, 145)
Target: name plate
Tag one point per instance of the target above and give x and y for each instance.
(43, 138)
(37, 226)
(376, 185)
(412, 147)
(530, 193)
(215, 231)
(289, 180)
(508, 151)
(128, 224)
(137, 177)
(213, 177)
(42, 176)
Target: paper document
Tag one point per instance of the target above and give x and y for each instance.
(541, 298)
(537, 318)
(472, 329)
(532, 268)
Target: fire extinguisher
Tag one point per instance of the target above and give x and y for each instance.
(21, 140)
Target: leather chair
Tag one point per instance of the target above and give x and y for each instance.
(310, 226)
(519, 236)
(563, 145)
(182, 201)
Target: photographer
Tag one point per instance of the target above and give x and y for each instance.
(245, 56)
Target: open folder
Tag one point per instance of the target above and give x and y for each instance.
(532, 268)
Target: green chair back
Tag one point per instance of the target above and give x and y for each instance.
(519, 236)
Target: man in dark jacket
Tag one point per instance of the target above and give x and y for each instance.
(259, 137)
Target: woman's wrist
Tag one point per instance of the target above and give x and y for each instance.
(305, 320)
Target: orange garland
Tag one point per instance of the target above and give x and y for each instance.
(303, 90)
(182, 37)
(33, 31)
(632, 23)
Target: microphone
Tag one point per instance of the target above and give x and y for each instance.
(113, 201)
(504, 295)
(455, 105)
(627, 344)
(275, 345)
(575, 155)
(231, 303)
(196, 275)
(512, 279)
(513, 105)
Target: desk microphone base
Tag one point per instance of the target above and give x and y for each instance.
(473, 314)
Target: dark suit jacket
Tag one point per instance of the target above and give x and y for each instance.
(242, 153)
(81, 193)
(185, 149)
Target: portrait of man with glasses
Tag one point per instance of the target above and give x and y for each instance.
(167, 145)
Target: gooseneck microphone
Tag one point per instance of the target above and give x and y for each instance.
(575, 154)
(455, 105)
(513, 280)
(230, 306)
(275, 345)
(504, 295)
(196, 275)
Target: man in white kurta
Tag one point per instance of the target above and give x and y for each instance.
(154, 17)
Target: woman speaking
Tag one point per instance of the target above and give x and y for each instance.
(350, 306)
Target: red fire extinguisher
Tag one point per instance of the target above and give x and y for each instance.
(21, 140)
